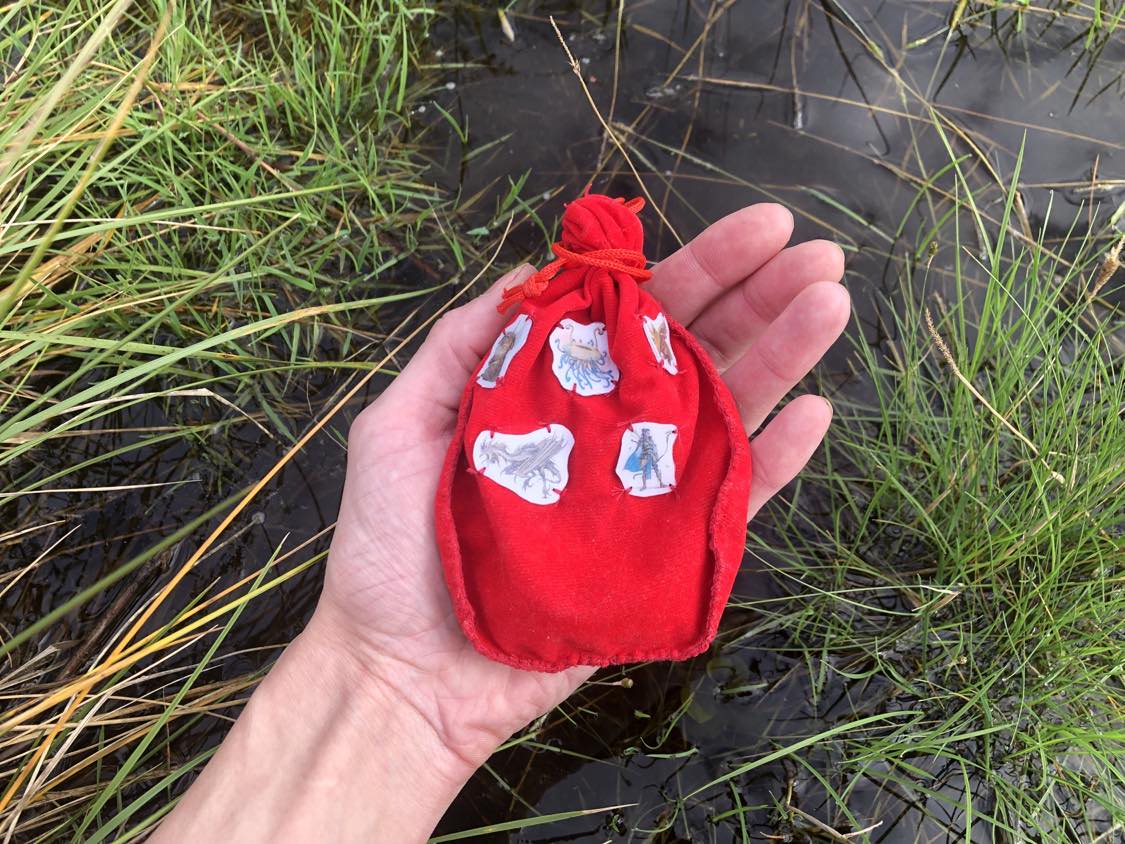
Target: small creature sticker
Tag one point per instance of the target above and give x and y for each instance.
(645, 464)
(534, 465)
(582, 362)
(659, 338)
(509, 342)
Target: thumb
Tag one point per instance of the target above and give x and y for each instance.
(430, 386)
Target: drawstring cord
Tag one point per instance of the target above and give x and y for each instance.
(628, 261)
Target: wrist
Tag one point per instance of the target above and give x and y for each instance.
(374, 707)
(436, 675)
(325, 750)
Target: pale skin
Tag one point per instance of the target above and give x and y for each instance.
(378, 713)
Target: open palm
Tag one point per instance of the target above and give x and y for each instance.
(765, 313)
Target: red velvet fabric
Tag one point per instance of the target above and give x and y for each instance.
(599, 577)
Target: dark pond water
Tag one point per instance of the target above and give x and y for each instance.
(821, 106)
(825, 109)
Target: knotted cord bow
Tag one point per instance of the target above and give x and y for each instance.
(628, 261)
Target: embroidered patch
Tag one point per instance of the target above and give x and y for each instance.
(645, 464)
(533, 466)
(659, 338)
(509, 342)
(582, 361)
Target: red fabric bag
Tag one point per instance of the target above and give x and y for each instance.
(592, 506)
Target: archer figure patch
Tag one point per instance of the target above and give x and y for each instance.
(581, 358)
(509, 342)
(657, 334)
(645, 464)
(534, 466)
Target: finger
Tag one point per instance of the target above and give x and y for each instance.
(728, 326)
(565, 683)
(437, 374)
(785, 446)
(719, 258)
(787, 350)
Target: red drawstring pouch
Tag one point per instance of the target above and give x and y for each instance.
(592, 505)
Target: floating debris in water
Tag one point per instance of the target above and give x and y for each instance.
(663, 92)
(506, 25)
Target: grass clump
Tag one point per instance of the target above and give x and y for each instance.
(179, 184)
(962, 555)
(203, 208)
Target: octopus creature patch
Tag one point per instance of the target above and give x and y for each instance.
(581, 358)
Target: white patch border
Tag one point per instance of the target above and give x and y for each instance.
(601, 341)
(660, 319)
(494, 472)
(667, 463)
(523, 321)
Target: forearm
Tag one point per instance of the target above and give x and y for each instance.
(322, 752)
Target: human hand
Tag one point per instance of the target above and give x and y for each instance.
(765, 313)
